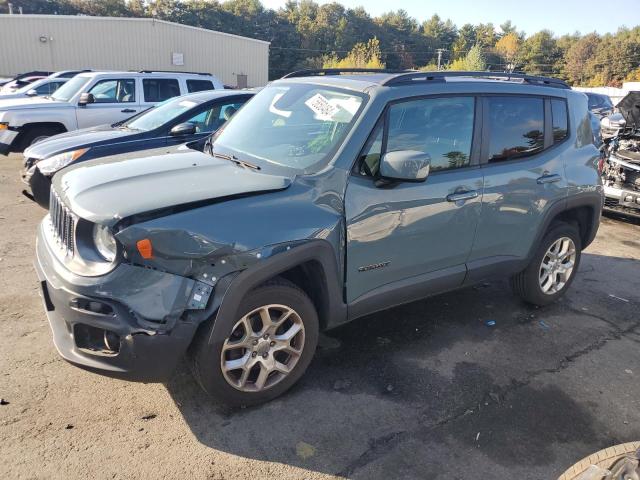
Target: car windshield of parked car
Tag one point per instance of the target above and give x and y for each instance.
(297, 126)
(161, 114)
(69, 89)
(599, 101)
(30, 86)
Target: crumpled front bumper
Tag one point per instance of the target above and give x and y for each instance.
(142, 308)
(39, 186)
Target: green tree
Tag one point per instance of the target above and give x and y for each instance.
(473, 61)
(466, 39)
(508, 47)
(540, 53)
(362, 55)
(444, 34)
(579, 56)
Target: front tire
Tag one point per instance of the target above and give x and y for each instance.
(552, 268)
(34, 135)
(262, 351)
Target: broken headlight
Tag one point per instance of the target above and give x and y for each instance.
(105, 242)
(51, 165)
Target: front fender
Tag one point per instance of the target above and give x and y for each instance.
(20, 118)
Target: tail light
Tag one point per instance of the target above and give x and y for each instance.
(601, 164)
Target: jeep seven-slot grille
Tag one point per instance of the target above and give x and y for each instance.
(62, 223)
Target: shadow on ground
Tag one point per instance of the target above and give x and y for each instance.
(429, 370)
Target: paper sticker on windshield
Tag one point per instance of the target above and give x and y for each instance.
(321, 107)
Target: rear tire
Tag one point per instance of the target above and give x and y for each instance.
(255, 341)
(531, 284)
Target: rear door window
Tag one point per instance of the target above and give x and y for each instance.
(199, 85)
(160, 89)
(516, 127)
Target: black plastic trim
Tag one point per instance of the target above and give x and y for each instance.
(407, 290)
(313, 250)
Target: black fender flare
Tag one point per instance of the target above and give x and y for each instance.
(592, 199)
(231, 289)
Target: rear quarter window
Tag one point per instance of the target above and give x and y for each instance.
(559, 120)
(516, 127)
(199, 85)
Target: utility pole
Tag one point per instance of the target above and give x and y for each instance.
(440, 51)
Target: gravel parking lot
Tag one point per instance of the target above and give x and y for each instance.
(427, 390)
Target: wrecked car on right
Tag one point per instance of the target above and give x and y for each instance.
(621, 165)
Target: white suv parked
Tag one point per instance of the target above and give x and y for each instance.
(91, 99)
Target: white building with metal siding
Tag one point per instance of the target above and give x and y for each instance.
(62, 42)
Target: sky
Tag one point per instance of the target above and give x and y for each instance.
(559, 16)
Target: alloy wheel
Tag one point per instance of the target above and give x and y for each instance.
(263, 348)
(557, 265)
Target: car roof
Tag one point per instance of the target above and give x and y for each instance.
(143, 74)
(364, 79)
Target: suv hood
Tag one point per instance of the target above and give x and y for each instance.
(629, 107)
(30, 102)
(109, 189)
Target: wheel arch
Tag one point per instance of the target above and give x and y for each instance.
(311, 266)
(57, 127)
(582, 210)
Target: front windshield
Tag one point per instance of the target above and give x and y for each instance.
(161, 114)
(296, 126)
(69, 89)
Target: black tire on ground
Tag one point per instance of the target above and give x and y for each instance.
(604, 459)
(526, 283)
(205, 352)
(34, 134)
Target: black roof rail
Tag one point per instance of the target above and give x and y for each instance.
(340, 71)
(174, 71)
(441, 76)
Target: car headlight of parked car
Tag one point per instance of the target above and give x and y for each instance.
(51, 165)
(105, 242)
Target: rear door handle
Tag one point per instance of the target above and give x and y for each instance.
(549, 178)
(461, 196)
(128, 110)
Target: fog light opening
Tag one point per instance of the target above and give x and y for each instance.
(96, 340)
(112, 341)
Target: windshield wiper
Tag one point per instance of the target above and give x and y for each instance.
(236, 160)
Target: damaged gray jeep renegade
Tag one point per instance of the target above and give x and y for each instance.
(330, 195)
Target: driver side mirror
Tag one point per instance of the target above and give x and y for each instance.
(406, 165)
(32, 93)
(85, 99)
(186, 128)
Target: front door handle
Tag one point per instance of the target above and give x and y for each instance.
(461, 196)
(549, 179)
(128, 110)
